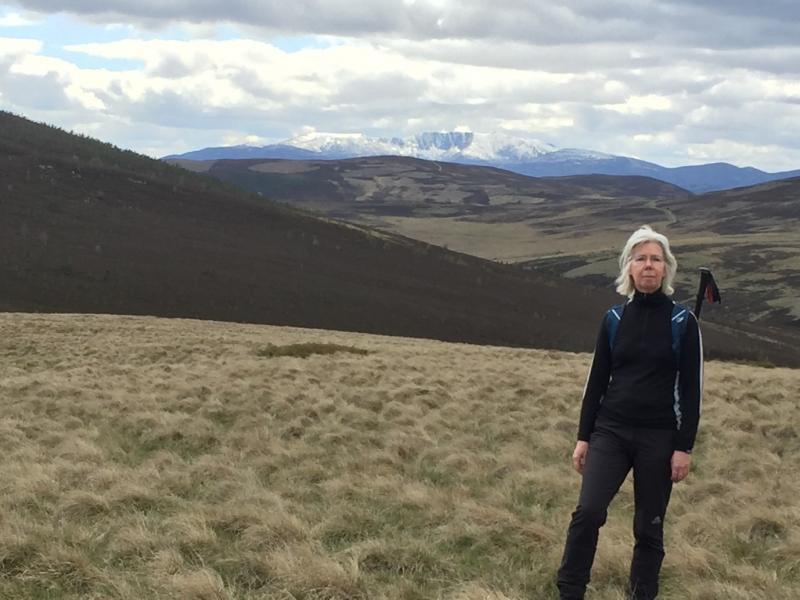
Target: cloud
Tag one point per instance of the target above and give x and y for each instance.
(302, 16)
(659, 80)
(29, 79)
(707, 23)
(206, 78)
(12, 48)
(13, 19)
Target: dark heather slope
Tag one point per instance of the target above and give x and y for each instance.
(85, 227)
(763, 208)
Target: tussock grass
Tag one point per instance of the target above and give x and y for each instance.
(306, 349)
(167, 459)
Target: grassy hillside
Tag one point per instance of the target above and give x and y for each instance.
(148, 458)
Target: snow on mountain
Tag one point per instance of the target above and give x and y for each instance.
(578, 154)
(451, 145)
(341, 144)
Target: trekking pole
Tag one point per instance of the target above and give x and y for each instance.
(708, 290)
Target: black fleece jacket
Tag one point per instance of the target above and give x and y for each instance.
(640, 384)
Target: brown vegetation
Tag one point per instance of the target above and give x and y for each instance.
(169, 459)
(566, 226)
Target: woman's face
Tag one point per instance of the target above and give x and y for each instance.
(648, 267)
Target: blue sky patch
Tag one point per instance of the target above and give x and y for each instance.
(297, 43)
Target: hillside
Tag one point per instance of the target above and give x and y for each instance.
(481, 211)
(565, 226)
(749, 236)
(163, 459)
(86, 227)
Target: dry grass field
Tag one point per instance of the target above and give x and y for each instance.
(148, 458)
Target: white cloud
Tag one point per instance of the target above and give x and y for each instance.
(649, 79)
(36, 65)
(637, 105)
(237, 139)
(13, 19)
(15, 47)
(727, 150)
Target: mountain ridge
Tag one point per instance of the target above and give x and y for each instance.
(534, 158)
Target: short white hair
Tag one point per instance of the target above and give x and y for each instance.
(642, 235)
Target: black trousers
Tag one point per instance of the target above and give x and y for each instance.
(614, 449)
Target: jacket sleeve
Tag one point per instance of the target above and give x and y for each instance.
(690, 385)
(596, 384)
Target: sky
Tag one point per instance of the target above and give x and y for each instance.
(675, 82)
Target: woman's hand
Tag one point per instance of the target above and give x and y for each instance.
(680, 463)
(579, 456)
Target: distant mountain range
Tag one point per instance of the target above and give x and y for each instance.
(527, 157)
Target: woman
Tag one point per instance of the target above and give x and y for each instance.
(641, 408)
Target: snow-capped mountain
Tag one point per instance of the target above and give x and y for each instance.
(454, 146)
(339, 145)
(526, 156)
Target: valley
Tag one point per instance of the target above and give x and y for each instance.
(569, 227)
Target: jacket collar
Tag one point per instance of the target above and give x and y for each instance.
(653, 299)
